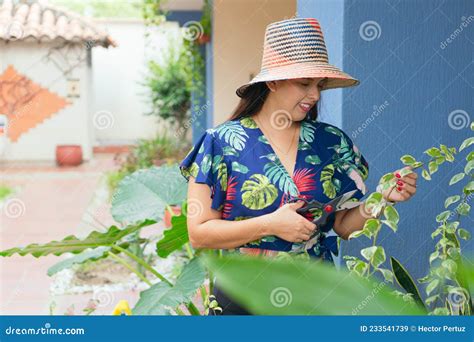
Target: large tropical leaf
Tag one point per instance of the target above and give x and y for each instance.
(233, 134)
(95, 254)
(158, 299)
(145, 193)
(406, 281)
(298, 287)
(258, 192)
(276, 172)
(173, 238)
(75, 245)
(307, 132)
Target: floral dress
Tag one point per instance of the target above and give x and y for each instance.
(247, 179)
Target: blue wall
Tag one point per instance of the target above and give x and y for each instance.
(411, 80)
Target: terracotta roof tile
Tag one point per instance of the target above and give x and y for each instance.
(39, 21)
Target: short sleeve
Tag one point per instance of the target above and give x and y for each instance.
(353, 168)
(205, 162)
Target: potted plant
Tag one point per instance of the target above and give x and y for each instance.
(68, 155)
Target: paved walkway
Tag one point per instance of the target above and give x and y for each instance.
(49, 203)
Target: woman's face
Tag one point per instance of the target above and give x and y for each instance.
(295, 96)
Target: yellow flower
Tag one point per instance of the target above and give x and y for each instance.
(122, 308)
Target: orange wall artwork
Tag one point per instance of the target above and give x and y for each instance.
(25, 103)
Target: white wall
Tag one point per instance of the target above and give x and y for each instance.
(70, 125)
(116, 77)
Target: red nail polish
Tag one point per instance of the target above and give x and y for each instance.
(399, 188)
(398, 175)
(328, 208)
(400, 183)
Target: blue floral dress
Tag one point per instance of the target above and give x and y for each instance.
(247, 179)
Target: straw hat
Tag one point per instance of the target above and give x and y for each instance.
(295, 48)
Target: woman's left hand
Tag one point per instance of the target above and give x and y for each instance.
(405, 188)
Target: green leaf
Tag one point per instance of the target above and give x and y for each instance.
(425, 174)
(450, 200)
(391, 214)
(72, 244)
(450, 265)
(313, 159)
(145, 194)
(432, 286)
(239, 167)
(469, 188)
(466, 143)
(157, 299)
(463, 209)
(392, 225)
(464, 234)
(94, 254)
(374, 254)
(387, 274)
(372, 226)
(434, 256)
(258, 193)
(280, 290)
(470, 156)
(447, 153)
(469, 167)
(173, 238)
(408, 159)
(443, 216)
(433, 152)
(456, 178)
(433, 167)
(405, 280)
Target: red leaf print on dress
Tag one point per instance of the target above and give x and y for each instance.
(230, 196)
(304, 181)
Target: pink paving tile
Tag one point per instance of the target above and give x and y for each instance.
(52, 202)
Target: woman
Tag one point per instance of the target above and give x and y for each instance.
(245, 174)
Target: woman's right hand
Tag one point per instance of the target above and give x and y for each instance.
(288, 225)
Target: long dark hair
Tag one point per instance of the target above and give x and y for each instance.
(253, 99)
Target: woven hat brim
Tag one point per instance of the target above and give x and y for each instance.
(336, 77)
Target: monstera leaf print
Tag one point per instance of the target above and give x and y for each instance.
(230, 151)
(307, 132)
(258, 193)
(248, 122)
(221, 168)
(233, 133)
(278, 175)
(330, 186)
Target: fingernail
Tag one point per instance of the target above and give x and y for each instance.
(400, 183)
(399, 188)
(397, 175)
